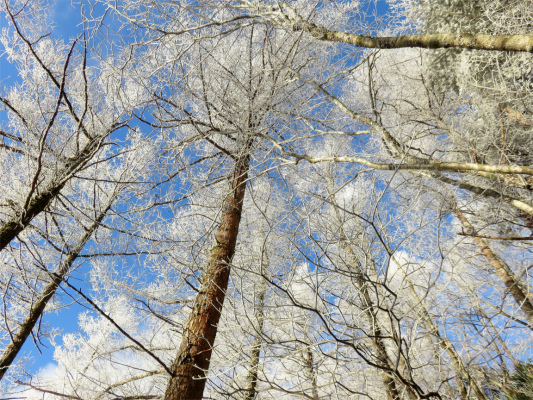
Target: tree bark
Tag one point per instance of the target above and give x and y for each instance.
(307, 356)
(430, 41)
(37, 309)
(251, 391)
(192, 360)
(522, 43)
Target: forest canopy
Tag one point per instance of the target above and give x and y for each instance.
(266, 200)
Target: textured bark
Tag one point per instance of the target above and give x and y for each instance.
(525, 303)
(307, 356)
(42, 198)
(431, 41)
(192, 360)
(251, 391)
(37, 309)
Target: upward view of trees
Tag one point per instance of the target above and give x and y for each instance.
(267, 200)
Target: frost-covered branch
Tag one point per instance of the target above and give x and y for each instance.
(289, 17)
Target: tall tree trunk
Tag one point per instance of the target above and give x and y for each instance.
(251, 391)
(506, 275)
(40, 198)
(24, 330)
(192, 360)
(371, 311)
(377, 335)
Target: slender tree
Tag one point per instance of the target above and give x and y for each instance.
(37, 309)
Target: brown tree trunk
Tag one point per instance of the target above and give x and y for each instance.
(192, 360)
(503, 271)
(24, 330)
